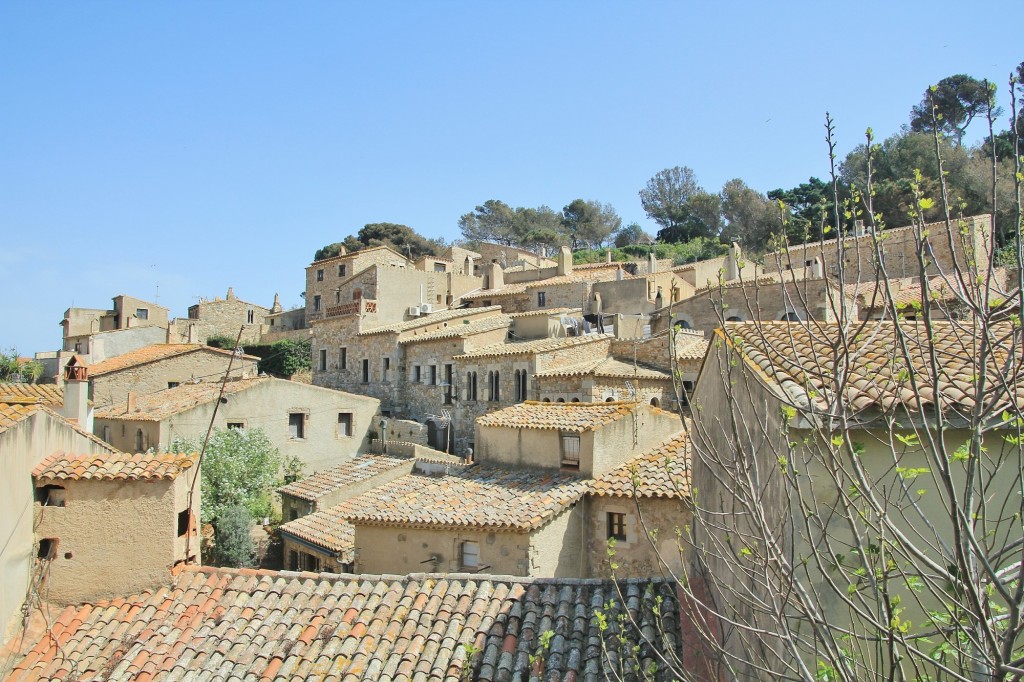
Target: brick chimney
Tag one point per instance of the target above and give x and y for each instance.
(76, 393)
(565, 261)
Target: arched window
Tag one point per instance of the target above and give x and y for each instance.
(496, 387)
(575, 400)
(561, 400)
(610, 400)
(734, 318)
(655, 402)
(790, 317)
(547, 400)
(139, 441)
(683, 324)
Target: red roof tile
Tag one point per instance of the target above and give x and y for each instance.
(114, 466)
(48, 394)
(336, 478)
(249, 625)
(574, 417)
(327, 528)
(152, 353)
(663, 471)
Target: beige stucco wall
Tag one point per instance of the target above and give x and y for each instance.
(657, 536)
(150, 377)
(23, 446)
(115, 537)
(621, 440)
(558, 549)
(403, 550)
(533, 448)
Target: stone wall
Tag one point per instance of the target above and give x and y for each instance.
(899, 252)
(150, 377)
(657, 536)
(401, 550)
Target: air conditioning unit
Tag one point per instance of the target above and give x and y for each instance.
(414, 311)
(426, 308)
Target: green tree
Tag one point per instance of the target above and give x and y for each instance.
(955, 101)
(240, 467)
(402, 238)
(233, 543)
(750, 217)
(589, 224)
(537, 227)
(666, 195)
(287, 357)
(632, 234)
(492, 221)
(810, 207)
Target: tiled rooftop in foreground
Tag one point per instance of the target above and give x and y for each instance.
(327, 481)
(223, 624)
(574, 417)
(63, 466)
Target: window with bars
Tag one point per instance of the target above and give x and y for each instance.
(616, 526)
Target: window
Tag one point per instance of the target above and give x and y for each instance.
(184, 522)
(337, 296)
(47, 548)
(439, 267)
(341, 270)
(250, 316)
(470, 554)
(106, 432)
(571, 450)
(139, 441)
(296, 425)
(316, 303)
(323, 360)
(655, 402)
(683, 324)
(520, 385)
(293, 514)
(173, 384)
(433, 375)
(293, 560)
(366, 371)
(790, 317)
(320, 275)
(417, 374)
(493, 386)
(684, 396)
(541, 299)
(470, 385)
(447, 384)
(51, 495)
(357, 294)
(142, 313)
(734, 318)
(385, 368)
(310, 563)
(343, 358)
(345, 424)
(617, 526)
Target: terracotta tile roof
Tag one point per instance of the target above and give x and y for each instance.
(799, 360)
(114, 466)
(328, 529)
(533, 346)
(608, 367)
(49, 394)
(484, 294)
(339, 477)
(663, 471)
(171, 401)
(691, 349)
(426, 320)
(543, 311)
(558, 280)
(13, 412)
(907, 291)
(244, 624)
(766, 279)
(711, 262)
(152, 353)
(461, 330)
(574, 417)
(482, 497)
(614, 265)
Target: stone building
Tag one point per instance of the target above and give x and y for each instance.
(111, 523)
(333, 486)
(319, 426)
(127, 312)
(160, 366)
(222, 317)
(855, 259)
(766, 298)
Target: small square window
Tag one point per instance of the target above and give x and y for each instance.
(173, 384)
(297, 425)
(320, 275)
(47, 548)
(184, 522)
(341, 270)
(617, 526)
(571, 450)
(345, 424)
(235, 425)
(142, 313)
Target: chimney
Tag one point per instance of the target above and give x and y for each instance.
(652, 263)
(76, 393)
(342, 251)
(732, 261)
(231, 294)
(276, 308)
(858, 228)
(598, 306)
(619, 274)
(494, 276)
(132, 403)
(565, 261)
(608, 255)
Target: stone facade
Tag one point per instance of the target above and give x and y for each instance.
(222, 317)
(898, 247)
(320, 441)
(202, 363)
(656, 533)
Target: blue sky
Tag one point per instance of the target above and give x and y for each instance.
(176, 149)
